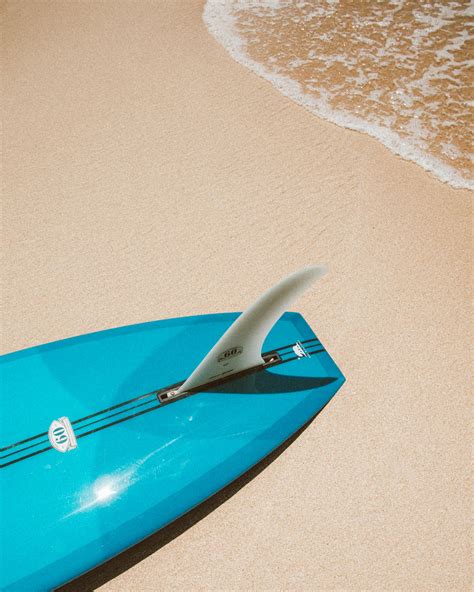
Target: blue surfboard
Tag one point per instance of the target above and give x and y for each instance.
(100, 448)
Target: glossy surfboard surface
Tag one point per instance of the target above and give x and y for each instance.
(132, 463)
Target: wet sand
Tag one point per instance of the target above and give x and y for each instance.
(147, 175)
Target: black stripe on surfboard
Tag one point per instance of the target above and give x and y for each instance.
(12, 462)
(23, 441)
(45, 441)
(123, 419)
(306, 342)
(77, 421)
(152, 397)
(153, 394)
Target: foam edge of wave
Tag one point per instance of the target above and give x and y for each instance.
(221, 24)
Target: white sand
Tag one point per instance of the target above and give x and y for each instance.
(147, 175)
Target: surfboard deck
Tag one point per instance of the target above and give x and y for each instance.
(136, 463)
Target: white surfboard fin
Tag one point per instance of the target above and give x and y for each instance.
(240, 348)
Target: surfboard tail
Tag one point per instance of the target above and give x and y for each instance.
(240, 348)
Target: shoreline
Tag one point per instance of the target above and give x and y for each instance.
(218, 21)
(149, 175)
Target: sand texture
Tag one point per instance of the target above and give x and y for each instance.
(147, 175)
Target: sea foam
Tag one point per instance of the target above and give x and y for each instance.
(397, 70)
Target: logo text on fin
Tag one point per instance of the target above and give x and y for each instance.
(230, 353)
